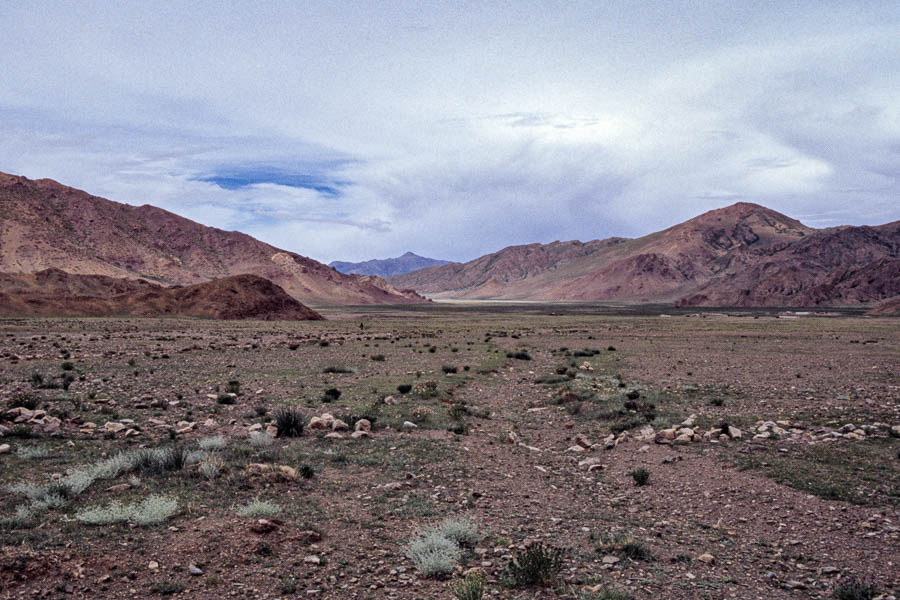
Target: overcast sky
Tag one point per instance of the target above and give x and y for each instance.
(356, 130)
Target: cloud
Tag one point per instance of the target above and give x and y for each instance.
(347, 131)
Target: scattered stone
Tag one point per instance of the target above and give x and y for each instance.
(409, 425)
(610, 559)
(339, 425)
(312, 559)
(734, 433)
(195, 571)
(707, 558)
(5, 449)
(360, 434)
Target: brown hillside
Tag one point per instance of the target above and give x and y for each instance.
(44, 224)
(662, 266)
(53, 292)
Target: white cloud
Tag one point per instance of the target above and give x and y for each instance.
(456, 130)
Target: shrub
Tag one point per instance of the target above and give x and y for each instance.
(261, 439)
(460, 530)
(538, 564)
(290, 422)
(307, 471)
(28, 401)
(641, 476)
(448, 369)
(259, 509)
(336, 369)
(378, 357)
(626, 545)
(152, 510)
(520, 355)
(160, 460)
(470, 588)
(293, 346)
(67, 366)
(23, 518)
(852, 588)
(31, 452)
(210, 468)
(404, 388)
(331, 394)
(233, 387)
(216, 442)
(433, 554)
(227, 399)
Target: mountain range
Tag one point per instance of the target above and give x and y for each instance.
(741, 255)
(44, 225)
(64, 251)
(388, 267)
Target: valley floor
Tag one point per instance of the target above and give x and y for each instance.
(783, 480)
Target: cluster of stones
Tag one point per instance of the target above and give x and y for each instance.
(849, 431)
(336, 427)
(22, 415)
(688, 432)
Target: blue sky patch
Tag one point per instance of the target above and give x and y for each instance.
(241, 178)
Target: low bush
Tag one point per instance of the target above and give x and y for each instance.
(641, 476)
(853, 588)
(151, 511)
(538, 564)
(290, 422)
(259, 509)
(469, 588)
(213, 443)
(433, 554)
(460, 530)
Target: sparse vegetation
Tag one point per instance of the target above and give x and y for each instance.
(433, 554)
(853, 588)
(471, 587)
(538, 564)
(641, 476)
(290, 422)
(259, 509)
(151, 511)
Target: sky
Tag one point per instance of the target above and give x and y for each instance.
(358, 130)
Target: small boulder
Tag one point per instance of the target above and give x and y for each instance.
(363, 425)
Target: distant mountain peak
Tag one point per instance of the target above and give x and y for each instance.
(388, 267)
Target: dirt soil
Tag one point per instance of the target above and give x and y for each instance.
(785, 516)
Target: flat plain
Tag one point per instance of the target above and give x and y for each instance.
(681, 455)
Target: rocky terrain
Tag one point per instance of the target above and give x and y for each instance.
(388, 267)
(555, 453)
(47, 225)
(742, 255)
(53, 292)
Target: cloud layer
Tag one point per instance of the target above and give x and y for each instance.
(357, 132)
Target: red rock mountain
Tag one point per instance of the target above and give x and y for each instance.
(742, 255)
(44, 224)
(53, 292)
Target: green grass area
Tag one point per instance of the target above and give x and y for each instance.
(860, 472)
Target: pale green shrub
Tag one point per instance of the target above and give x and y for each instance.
(259, 509)
(433, 554)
